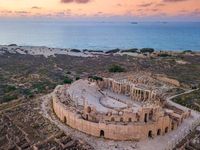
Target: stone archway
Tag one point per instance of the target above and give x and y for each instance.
(112, 119)
(102, 133)
(166, 130)
(89, 109)
(159, 132)
(145, 117)
(150, 135)
(121, 119)
(65, 119)
(172, 126)
(86, 118)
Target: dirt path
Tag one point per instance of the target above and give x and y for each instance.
(169, 99)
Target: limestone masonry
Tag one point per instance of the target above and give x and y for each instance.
(124, 107)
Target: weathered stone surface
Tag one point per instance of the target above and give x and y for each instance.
(122, 108)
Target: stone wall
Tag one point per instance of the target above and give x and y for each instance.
(135, 131)
(168, 80)
(135, 93)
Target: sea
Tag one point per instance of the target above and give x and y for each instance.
(102, 35)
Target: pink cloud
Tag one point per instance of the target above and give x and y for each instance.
(145, 4)
(174, 0)
(75, 1)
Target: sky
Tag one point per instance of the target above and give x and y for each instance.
(100, 10)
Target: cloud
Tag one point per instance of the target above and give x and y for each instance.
(196, 12)
(67, 1)
(36, 7)
(145, 4)
(119, 5)
(21, 12)
(75, 1)
(174, 0)
(6, 11)
(155, 10)
(160, 4)
(139, 9)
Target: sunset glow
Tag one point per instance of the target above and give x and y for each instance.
(94, 9)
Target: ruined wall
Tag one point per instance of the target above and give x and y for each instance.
(168, 80)
(136, 131)
(135, 93)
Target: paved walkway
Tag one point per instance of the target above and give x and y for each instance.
(169, 99)
(159, 143)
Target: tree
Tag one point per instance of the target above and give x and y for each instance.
(147, 50)
(96, 78)
(67, 80)
(116, 68)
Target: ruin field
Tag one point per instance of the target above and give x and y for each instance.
(26, 76)
(25, 121)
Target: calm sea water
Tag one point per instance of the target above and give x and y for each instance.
(161, 36)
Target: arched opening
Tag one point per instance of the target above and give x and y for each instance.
(89, 109)
(121, 119)
(112, 119)
(159, 132)
(172, 126)
(130, 120)
(142, 95)
(86, 117)
(151, 115)
(65, 119)
(150, 134)
(166, 129)
(138, 117)
(101, 133)
(145, 117)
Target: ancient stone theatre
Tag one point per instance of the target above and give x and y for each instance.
(124, 107)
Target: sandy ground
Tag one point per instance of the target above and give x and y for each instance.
(159, 143)
(45, 51)
(181, 62)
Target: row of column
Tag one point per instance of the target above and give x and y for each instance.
(139, 94)
(135, 93)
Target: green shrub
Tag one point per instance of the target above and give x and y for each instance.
(187, 51)
(116, 68)
(27, 93)
(96, 78)
(8, 98)
(147, 50)
(77, 78)
(133, 50)
(75, 50)
(67, 80)
(9, 88)
(113, 51)
(40, 87)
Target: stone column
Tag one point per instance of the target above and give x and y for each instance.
(149, 95)
(139, 95)
(136, 95)
(131, 93)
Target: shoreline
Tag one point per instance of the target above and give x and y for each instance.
(50, 51)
